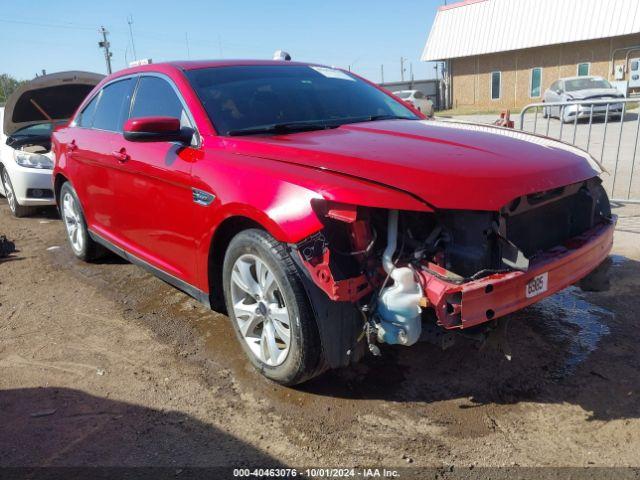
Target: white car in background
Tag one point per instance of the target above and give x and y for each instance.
(418, 99)
(575, 89)
(28, 119)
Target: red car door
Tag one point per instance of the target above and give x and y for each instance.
(90, 146)
(155, 200)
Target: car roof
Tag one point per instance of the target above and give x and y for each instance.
(186, 65)
(582, 76)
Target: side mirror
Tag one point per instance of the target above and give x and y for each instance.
(156, 129)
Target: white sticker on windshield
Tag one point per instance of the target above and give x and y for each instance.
(333, 73)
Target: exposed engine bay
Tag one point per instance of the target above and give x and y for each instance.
(40, 144)
(407, 269)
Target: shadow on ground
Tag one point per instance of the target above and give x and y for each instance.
(50, 427)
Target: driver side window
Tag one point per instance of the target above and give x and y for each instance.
(156, 98)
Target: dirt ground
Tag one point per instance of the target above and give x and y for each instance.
(103, 364)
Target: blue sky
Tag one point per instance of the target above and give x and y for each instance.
(63, 34)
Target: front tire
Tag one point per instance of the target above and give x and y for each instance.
(269, 308)
(17, 210)
(75, 224)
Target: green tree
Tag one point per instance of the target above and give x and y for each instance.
(8, 85)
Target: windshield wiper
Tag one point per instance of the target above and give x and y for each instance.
(375, 118)
(276, 128)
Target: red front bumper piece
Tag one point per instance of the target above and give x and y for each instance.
(472, 303)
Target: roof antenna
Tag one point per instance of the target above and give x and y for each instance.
(281, 55)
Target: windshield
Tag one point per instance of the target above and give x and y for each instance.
(248, 98)
(38, 130)
(403, 94)
(585, 83)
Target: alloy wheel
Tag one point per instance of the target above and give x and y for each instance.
(260, 312)
(8, 191)
(73, 222)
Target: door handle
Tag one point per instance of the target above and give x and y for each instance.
(72, 146)
(120, 155)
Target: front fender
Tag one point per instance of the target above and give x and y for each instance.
(278, 196)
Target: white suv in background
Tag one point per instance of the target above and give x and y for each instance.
(418, 99)
(28, 119)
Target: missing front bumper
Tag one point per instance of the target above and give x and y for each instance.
(459, 306)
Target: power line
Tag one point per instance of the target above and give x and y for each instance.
(71, 26)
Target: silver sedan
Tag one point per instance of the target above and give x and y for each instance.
(583, 90)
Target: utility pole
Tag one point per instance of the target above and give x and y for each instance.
(104, 44)
(133, 45)
(402, 60)
(186, 39)
(381, 73)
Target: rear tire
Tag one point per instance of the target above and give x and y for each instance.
(17, 210)
(269, 309)
(75, 224)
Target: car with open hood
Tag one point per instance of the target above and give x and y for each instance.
(324, 215)
(29, 117)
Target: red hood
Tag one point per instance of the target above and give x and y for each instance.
(449, 165)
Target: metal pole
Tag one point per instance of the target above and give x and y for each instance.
(633, 162)
(604, 135)
(381, 73)
(615, 169)
(133, 45)
(590, 125)
(575, 125)
(402, 69)
(104, 44)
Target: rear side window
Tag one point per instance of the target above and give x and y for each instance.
(156, 98)
(85, 119)
(113, 106)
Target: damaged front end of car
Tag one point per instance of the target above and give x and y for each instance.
(398, 277)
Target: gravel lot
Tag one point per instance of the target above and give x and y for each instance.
(102, 364)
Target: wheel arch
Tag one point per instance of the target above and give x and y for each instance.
(220, 240)
(58, 181)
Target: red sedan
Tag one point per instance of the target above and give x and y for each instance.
(324, 215)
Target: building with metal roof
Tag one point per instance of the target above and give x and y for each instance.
(505, 53)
